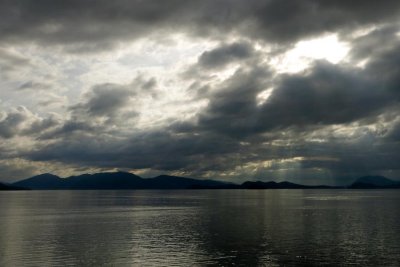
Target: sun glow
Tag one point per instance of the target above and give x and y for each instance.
(329, 48)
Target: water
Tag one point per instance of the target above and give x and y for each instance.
(200, 227)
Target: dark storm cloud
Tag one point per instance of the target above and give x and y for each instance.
(218, 58)
(232, 108)
(9, 124)
(200, 153)
(91, 25)
(40, 125)
(225, 54)
(370, 153)
(22, 122)
(393, 133)
(328, 95)
(290, 20)
(155, 149)
(323, 95)
(72, 128)
(385, 68)
(109, 98)
(105, 99)
(375, 42)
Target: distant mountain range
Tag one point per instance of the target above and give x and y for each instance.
(128, 181)
(374, 182)
(116, 180)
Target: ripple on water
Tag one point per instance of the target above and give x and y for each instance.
(197, 228)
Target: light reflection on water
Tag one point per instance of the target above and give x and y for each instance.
(200, 227)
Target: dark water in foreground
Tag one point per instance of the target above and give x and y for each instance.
(200, 227)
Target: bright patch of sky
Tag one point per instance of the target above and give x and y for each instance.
(298, 58)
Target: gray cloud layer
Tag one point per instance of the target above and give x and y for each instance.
(99, 24)
(337, 120)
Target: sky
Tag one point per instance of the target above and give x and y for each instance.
(305, 91)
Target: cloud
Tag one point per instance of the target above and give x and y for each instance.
(109, 99)
(10, 62)
(234, 115)
(40, 125)
(12, 57)
(225, 54)
(232, 107)
(393, 134)
(11, 122)
(213, 155)
(104, 109)
(158, 150)
(374, 42)
(325, 94)
(105, 99)
(315, 122)
(21, 121)
(92, 25)
(13, 170)
(32, 85)
(328, 94)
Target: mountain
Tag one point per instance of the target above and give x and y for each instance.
(42, 181)
(371, 182)
(125, 180)
(10, 187)
(107, 180)
(115, 180)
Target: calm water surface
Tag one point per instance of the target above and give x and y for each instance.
(200, 227)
